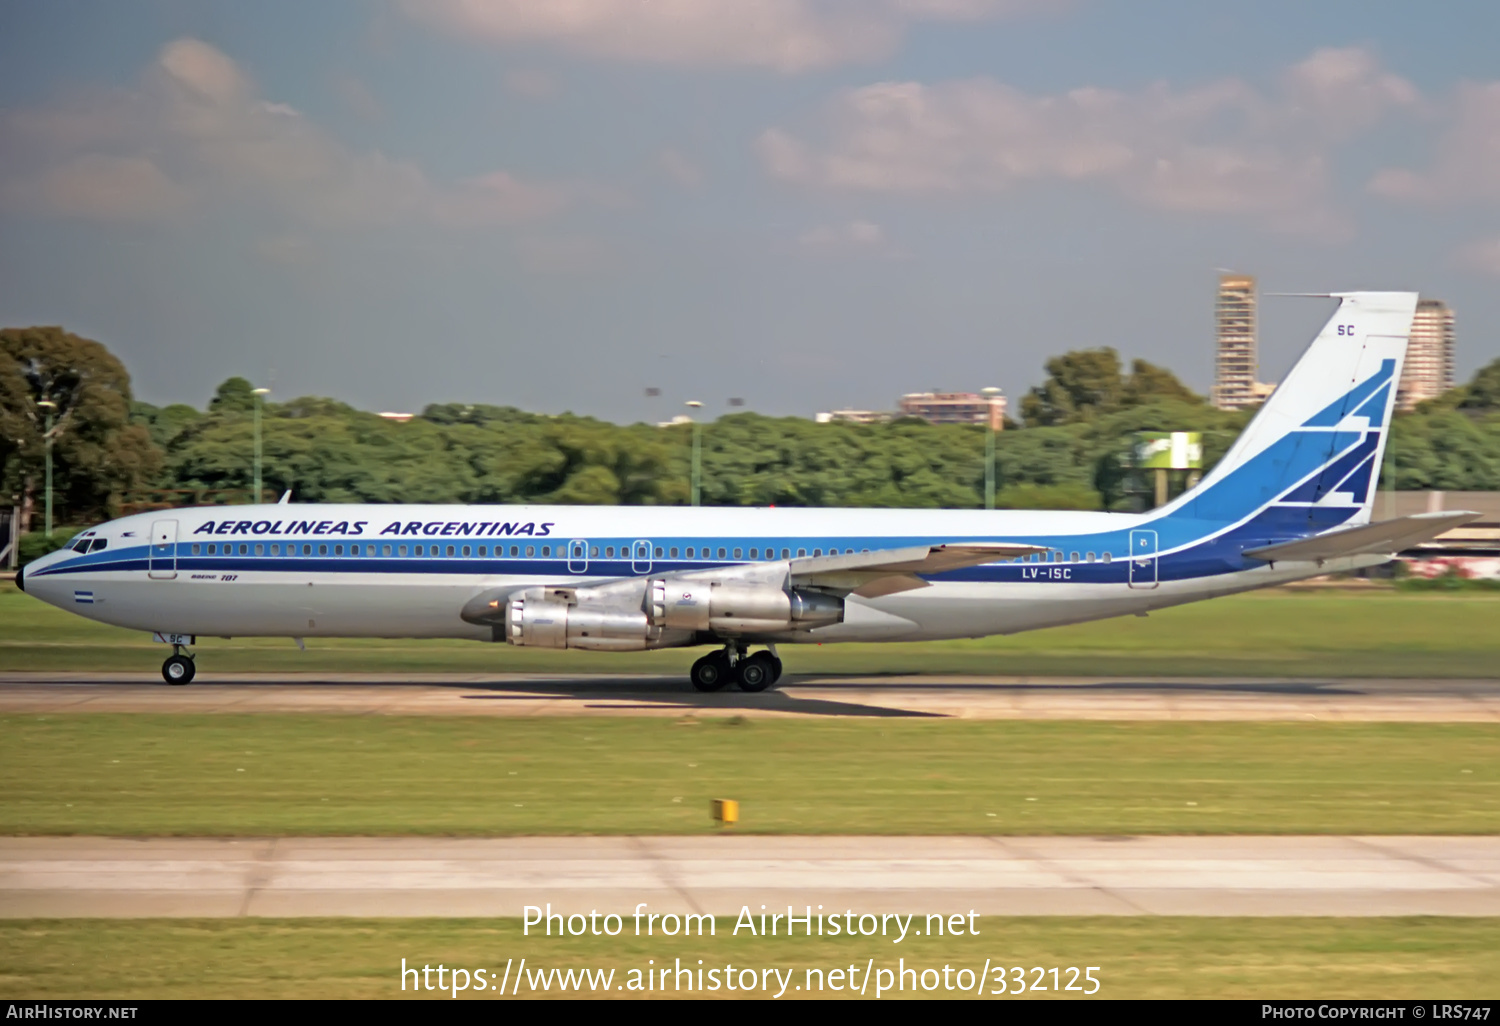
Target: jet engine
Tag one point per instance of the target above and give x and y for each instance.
(686, 604)
(543, 622)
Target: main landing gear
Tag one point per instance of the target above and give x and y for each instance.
(179, 667)
(751, 672)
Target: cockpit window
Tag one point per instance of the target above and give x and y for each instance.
(99, 543)
(81, 545)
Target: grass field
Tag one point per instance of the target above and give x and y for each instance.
(1445, 959)
(136, 774)
(1281, 633)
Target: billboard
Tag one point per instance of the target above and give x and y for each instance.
(1169, 450)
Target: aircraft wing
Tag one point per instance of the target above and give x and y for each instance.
(888, 571)
(1381, 538)
(867, 574)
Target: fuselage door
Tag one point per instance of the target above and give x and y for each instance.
(578, 556)
(640, 557)
(162, 563)
(1143, 559)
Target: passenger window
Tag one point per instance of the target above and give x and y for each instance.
(531, 550)
(658, 552)
(737, 553)
(721, 553)
(801, 553)
(322, 550)
(307, 550)
(755, 553)
(690, 552)
(609, 552)
(674, 551)
(467, 551)
(483, 551)
(401, 551)
(260, 550)
(1089, 557)
(450, 552)
(593, 552)
(418, 550)
(244, 549)
(195, 548)
(1108, 556)
(817, 552)
(1074, 557)
(516, 551)
(546, 550)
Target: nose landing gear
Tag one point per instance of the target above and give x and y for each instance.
(179, 667)
(751, 672)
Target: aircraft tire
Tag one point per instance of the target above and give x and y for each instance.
(756, 673)
(711, 672)
(178, 669)
(775, 670)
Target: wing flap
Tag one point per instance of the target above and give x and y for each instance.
(918, 559)
(1385, 537)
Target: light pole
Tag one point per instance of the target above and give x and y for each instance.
(258, 393)
(694, 404)
(51, 408)
(989, 447)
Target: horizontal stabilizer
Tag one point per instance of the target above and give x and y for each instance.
(1383, 538)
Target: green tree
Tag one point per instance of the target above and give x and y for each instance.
(97, 452)
(1149, 383)
(236, 395)
(1483, 391)
(1079, 384)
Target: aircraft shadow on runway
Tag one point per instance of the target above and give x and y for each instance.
(605, 693)
(1223, 687)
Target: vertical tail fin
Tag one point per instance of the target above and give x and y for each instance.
(1314, 449)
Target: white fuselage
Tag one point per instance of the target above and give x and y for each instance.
(408, 571)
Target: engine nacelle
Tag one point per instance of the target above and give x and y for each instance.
(548, 623)
(737, 609)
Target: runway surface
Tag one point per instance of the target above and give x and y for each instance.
(459, 694)
(1254, 876)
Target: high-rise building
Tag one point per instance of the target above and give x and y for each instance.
(1234, 359)
(955, 408)
(1429, 358)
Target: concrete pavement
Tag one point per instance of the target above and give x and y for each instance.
(410, 876)
(460, 694)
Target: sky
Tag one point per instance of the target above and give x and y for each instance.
(806, 204)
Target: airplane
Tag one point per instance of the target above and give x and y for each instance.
(1291, 499)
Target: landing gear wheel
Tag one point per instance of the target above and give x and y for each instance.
(178, 669)
(711, 672)
(775, 670)
(757, 672)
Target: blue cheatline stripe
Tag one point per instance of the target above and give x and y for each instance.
(1217, 555)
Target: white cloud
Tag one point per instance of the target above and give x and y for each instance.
(680, 168)
(853, 234)
(197, 132)
(783, 35)
(1466, 165)
(1223, 147)
(530, 82)
(1482, 256)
